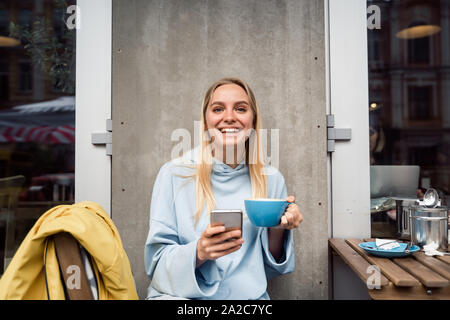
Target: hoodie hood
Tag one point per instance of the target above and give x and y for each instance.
(219, 168)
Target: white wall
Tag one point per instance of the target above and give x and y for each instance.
(93, 101)
(349, 172)
(348, 101)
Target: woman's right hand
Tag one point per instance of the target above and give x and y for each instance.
(212, 243)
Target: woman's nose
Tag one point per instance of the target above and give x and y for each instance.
(229, 116)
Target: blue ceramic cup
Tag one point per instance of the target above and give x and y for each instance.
(265, 212)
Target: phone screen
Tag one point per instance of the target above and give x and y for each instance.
(232, 219)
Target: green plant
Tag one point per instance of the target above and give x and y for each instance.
(53, 52)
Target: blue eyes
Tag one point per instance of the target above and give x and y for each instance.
(220, 109)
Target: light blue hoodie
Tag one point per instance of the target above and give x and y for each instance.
(170, 249)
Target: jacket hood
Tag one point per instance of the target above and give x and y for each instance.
(34, 270)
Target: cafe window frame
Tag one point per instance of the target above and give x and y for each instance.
(93, 88)
(24, 77)
(347, 76)
(433, 105)
(4, 80)
(420, 103)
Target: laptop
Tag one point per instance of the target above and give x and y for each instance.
(397, 182)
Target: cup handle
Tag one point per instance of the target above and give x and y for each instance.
(287, 204)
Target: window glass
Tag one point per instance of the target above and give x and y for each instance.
(37, 115)
(25, 77)
(4, 20)
(409, 101)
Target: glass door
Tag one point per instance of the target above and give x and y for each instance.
(37, 115)
(409, 100)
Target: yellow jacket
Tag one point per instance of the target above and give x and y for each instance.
(91, 226)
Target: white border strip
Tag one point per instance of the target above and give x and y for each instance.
(348, 80)
(93, 101)
(328, 111)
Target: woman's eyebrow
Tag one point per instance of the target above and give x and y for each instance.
(223, 104)
(217, 102)
(241, 102)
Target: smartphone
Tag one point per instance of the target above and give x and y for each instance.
(231, 218)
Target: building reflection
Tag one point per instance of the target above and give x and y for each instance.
(37, 114)
(409, 88)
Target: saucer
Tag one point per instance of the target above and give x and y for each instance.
(398, 252)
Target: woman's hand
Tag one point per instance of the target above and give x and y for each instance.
(212, 244)
(291, 219)
(292, 216)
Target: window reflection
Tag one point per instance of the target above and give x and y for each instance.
(409, 91)
(25, 77)
(37, 115)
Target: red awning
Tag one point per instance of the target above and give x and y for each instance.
(64, 134)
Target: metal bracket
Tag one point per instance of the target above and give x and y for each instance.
(104, 138)
(336, 134)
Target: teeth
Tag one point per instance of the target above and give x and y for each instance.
(230, 130)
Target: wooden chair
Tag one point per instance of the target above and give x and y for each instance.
(75, 267)
(10, 189)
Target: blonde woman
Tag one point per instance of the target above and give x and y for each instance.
(186, 256)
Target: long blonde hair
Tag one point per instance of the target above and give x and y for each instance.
(204, 191)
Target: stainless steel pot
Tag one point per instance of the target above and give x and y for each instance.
(429, 225)
(402, 215)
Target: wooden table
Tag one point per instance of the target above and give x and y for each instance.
(414, 277)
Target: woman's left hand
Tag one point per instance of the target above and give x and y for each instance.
(292, 216)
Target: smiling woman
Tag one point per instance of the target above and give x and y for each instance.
(212, 262)
(232, 91)
(229, 119)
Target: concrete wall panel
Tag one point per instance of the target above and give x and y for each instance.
(166, 54)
